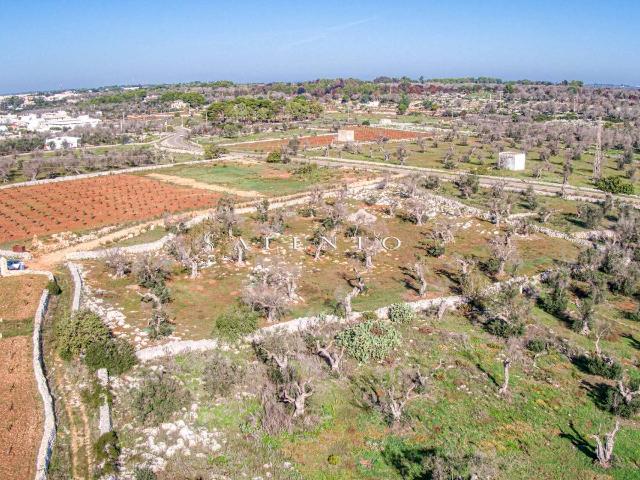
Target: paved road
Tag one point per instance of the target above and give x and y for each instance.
(178, 142)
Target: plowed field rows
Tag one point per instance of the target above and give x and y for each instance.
(361, 134)
(90, 203)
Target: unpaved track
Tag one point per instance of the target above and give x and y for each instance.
(189, 182)
(486, 181)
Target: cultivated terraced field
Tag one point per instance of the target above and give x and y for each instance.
(20, 405)
(361, 134)
(90, 203)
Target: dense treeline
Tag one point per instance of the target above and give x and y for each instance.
(243, 110)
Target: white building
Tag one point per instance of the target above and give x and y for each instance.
(511, 160)
(346, 136)
(59, 120)
(57, 143)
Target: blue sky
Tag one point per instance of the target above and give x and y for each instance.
(47, 44)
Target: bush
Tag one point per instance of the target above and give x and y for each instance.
(401, 313)
(491, 266)
(237, 322)
(605, 367)
(214, 151)
(333, 459)
(498, 327)
(435, 250)
(555, 303)
(537, 345)
(158, 398)
(94, 395)
(107, 452)
(115, 354)
(615, 185)
(369, 340)
(53, 288)
(591, 215)
(616, 404)
(220, 375)
(76, 332)
(144, 473)
(274, 157)
(432, 182)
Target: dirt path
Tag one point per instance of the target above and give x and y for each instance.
(189, 182)
(81, 444)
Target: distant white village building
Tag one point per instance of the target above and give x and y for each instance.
(512, 160)
(346, 136)
(385, 121)
(48, 121)
(58, 143)
(179, 105)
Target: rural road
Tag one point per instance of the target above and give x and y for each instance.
(486, 181)
(179, 142)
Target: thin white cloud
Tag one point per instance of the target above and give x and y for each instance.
(328, 30)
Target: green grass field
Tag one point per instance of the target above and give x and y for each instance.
(268, 179)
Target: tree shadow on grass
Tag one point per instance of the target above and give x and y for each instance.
(635, 343)
(410, 279)
(488, 374)
(598, 392)
(578, 441)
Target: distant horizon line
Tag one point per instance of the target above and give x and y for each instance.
(414, 80)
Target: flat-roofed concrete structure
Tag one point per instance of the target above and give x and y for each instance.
(512, 160)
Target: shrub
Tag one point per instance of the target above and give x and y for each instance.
(591, 215)
(107, 452)
(498, 327)
(274, 157)
(615, 185)
(369, 340)
(237, 322)
(220, 375)
(144, 473)
(431, 182)
(537, 345)
(401, 313)
(333, 459)
(94, 395)
(556, 302)
(76, 332)
(491, 266)
(53, 288)
(214, 151)
(616, 404)
(435, 250)
(115, 354)
(605, 367)
(158, 398)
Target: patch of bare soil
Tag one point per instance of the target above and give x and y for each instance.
(20, 410)
(189, 182)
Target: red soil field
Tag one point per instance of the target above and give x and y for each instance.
(20, 410)
(361, 134)
(277, 144)
(90, 203)
(371, 134)
(19, 296)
